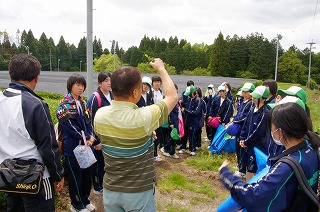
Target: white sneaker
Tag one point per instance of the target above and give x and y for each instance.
(197, 148)
(98, 192)
(158, 158)
(178, 147)
(192, 153)
(175, 156)
(164, 152)
(182, 151)
(240, 174)
(72, 209)
(90, 207)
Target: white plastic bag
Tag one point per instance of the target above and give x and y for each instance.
(84, 154)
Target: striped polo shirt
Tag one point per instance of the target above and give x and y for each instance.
(125, 133)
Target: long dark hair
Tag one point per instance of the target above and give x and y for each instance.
(293, 120)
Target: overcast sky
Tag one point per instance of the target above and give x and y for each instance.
(197, 21)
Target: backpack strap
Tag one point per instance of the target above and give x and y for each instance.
(302, 180)
(97, 95)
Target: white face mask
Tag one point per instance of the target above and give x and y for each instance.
(278, 142)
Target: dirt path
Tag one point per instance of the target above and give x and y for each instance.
(176, 200)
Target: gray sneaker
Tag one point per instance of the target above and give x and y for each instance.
(175, 156)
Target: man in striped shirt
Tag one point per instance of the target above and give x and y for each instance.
(125, 133)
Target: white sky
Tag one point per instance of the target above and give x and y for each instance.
(127, 21)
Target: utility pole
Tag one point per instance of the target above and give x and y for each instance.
(50, 60)
(89, 48)
(311, 43)
(277, 58)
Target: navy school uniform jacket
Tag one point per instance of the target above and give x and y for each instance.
(203, 107)
(72, 121)
(254, 129)
(192, 112)
(224, 111)
(242, 112)
(278, 190)
(173, 117)
(93, 107)
(208, 100)
(143, 103)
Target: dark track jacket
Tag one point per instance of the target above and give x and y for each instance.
(72, 122)
(93, 107)
(278, 190)
(255, 126)
(27, 129)
(192, 112)
(224, 111)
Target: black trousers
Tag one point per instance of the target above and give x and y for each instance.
(40, 202)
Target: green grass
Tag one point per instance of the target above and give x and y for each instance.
(176, 181)
(206, 161)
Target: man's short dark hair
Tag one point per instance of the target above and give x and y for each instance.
(24, 67)
(190, 82)
(156, 78)
(76, 78)
(103, 76)
(124, 80)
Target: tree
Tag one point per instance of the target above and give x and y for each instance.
(219, 59)
(106, 63)
(44, 52)
(64, 54)
(290, 68)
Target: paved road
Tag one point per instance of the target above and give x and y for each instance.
(56, 81)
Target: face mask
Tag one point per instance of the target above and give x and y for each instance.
(278, 142)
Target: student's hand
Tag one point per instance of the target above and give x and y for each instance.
(98, 147)
(171, 126)
(89, 143)
(60, 185)
(241, 143)
(231, 120)
(154, 135)
(223, 124)
(157, 64)
(182, 110)
(224, 164)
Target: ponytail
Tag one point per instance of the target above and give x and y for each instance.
(314, 139)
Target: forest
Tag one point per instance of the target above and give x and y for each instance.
(253, 56)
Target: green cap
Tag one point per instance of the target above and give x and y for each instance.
(260, 92)
(248, 87)
(189, 89)
(221, 88)
(174, 134)
(289, 99)
(294, 91)
(211, 86)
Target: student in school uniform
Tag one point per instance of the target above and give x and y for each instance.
(221, 107)
(175, 122)
(74, 118)
(253, 132)
(161, 132)
(192, 111)
(100, 98)
(201, 116)
(209, 95)
(147, 95)
(239, 118)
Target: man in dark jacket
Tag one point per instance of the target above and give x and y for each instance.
(29, 134)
